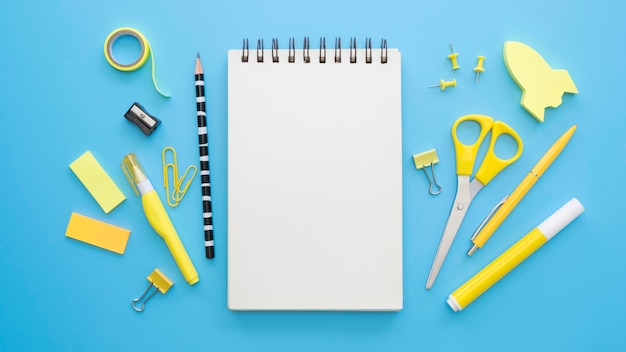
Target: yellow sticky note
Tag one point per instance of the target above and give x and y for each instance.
(97, 181)
(97, 233)
(541, 85)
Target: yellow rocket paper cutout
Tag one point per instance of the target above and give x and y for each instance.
(541, 85)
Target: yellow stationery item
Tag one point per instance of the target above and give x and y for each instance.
(97, 181)
(157, 216)
(97, 233)
(491, 224)
(466, 190)
(179, 186)
(453, 59)
(141, 60)
(508, 260)
(422, 161)
(159, 282)
(479, 66)
(444, 84)
(541, 85)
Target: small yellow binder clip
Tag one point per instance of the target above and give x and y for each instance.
(160, 282)
(425, 159)
(179, 189)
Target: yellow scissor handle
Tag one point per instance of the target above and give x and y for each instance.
(466, 154)
(492, 164)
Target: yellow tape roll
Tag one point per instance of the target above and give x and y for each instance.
(141, 60)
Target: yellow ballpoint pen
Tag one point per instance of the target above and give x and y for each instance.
(513, 256)
(157, 216)
(489, 226)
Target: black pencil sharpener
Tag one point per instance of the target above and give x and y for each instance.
(140, 117)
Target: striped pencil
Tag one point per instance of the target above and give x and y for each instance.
(205, 175)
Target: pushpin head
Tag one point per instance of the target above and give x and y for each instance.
(453, 58)
(444, 84)
(479, 66)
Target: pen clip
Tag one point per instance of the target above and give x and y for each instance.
(482, 224)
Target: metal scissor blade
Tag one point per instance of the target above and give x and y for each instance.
(459, 208)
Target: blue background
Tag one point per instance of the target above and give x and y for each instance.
(60, 98)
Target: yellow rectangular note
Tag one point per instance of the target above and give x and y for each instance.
(97, 181)
(97, 233)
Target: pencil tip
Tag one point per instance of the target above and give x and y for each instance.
(198, 55)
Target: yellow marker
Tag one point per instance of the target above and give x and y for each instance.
(479, 66)
(157, 216)
(97, 233)
(483, 233)
(444, 84)
(541, 85)
(453, 58)
(141, 60)
(508, 260)
(97, 181)
(160, 282)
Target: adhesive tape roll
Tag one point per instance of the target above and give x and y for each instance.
(143, 55)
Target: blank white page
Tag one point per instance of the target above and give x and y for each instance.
(314, 183)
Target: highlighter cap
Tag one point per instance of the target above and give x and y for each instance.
(561, 218)
(133, 171)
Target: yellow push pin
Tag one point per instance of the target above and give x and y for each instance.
(479, 66)
(453, 57)
(160, 282)
(444, 84)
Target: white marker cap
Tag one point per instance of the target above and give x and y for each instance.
(453, 304)
(561, 218)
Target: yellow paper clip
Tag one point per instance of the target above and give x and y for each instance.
(425, 159)
(160, 282)
(179, 188)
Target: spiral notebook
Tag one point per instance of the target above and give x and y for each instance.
(314, 178)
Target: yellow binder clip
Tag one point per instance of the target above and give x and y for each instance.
(179, 187)
(160, 282)
(425, 159)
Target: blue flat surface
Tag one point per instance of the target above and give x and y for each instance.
(60, 98)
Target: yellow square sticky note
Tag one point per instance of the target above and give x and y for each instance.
(97, 233)
(97, 181)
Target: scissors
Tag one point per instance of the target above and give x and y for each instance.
(466, 190)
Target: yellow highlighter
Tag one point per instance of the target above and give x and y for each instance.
(491, 224)
(508, 260)
(157, 217)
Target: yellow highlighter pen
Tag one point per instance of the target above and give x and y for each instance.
(157, 217)
(492, 223)
(508, 260)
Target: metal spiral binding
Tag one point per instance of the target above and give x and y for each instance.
(275, 50)
(260, 47)
(323, 50)
(292, 50)
(368, 50)
(352, 52)
(383, 51)
(306, 50)
(246, 51)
